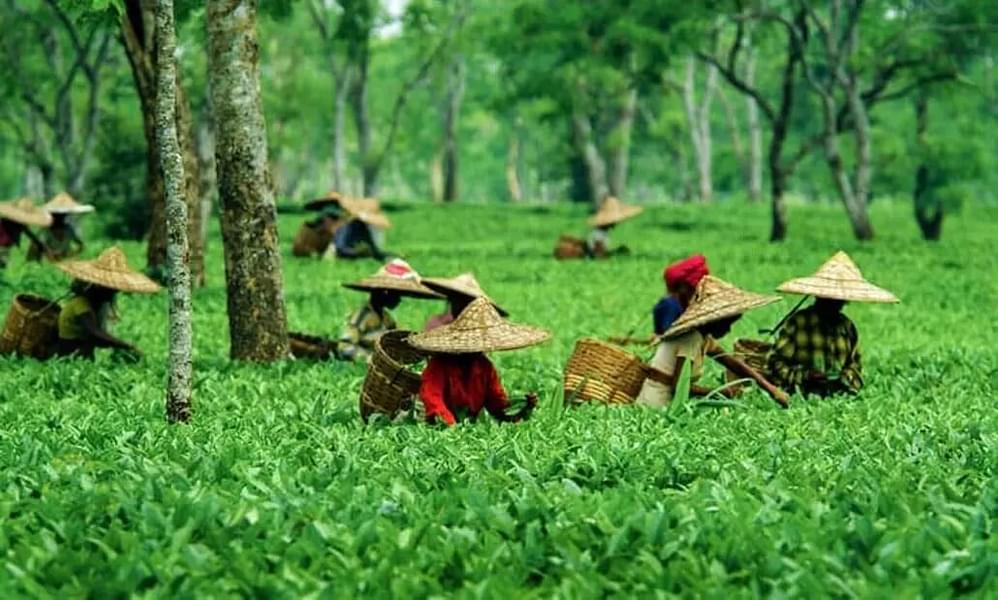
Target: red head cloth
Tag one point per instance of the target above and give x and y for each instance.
(689, 271)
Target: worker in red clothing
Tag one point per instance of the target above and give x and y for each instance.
(459, 380)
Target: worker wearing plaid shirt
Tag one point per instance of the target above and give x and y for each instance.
(817, 352)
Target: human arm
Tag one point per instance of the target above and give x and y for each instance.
(101, 338)
(431, 392)
(740, 367)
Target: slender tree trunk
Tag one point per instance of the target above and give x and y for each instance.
(179, 388)
(208, 182)
(754, 135)
(257, 317)
(620, 153)
(928, 213)
(452, 113)
(513, 186)
(592, 162)
(339, 129)
(437, 177)
(362, 121)
(138, 36)
(698, 118)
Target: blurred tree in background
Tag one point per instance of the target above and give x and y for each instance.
(538, 100)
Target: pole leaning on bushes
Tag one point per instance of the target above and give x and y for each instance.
(178, 387)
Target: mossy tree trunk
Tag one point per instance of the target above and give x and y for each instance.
(257, 318)
(178, 388)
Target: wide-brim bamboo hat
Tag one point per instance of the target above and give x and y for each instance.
(479, 328)
(25, 212)
(838, 279)
(714, 300)
(395, 276)
(110, 270)
(613, 211)
(366, 210)
(64, 204)
(464, 284)
(330, 199)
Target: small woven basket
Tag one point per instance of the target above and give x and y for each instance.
(601, 372)
(311, 347)
(31, 327)
(390, 387)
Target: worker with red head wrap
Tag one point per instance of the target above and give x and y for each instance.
(681, 279)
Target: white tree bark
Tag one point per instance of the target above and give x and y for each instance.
(754, 134)
(179, 389)
(698, 119)
(620, 153)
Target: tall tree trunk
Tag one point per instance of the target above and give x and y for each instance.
(620, 153)
(362, 121)
(339, 126)
(592, 162)
(437, 177)
(513, 186)
(138, 37)
(179, 381)
(698, 118)
(928, 213)
(452, 113)
(257, 317)
(754, 135)
(208, 183)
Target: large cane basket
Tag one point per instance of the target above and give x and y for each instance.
(390, 386)
(601, 372)
(31, 327)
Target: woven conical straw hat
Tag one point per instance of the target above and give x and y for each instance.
(110, 270)
(479, 328)
(64, 204)
(367, 210)
(25, 212)
(395, 276)
(838, 279)
(716, 299)
(332, 198)
(464, 284)
(613, 211)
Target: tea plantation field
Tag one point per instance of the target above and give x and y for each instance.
(277, 490)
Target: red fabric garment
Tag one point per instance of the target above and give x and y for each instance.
(690, 271)
(438, 321)
(464, 381)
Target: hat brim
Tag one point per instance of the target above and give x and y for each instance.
(402, 287)
(85, 270)
(34, 218)
(617, 216)
(322, 203)
(497, 338)
(715, 310)
(79, 209)
(847, 291)
(448, 288)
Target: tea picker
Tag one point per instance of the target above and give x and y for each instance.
(85, 317)
(817, 348)
(459, 380)
(15, 218)
(385, 290)
(61, 240)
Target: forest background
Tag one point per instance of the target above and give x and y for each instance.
(529, 100)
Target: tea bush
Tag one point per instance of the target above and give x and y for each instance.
(278, 490)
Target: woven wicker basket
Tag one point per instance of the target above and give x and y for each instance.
(569, 247)
(311, 347)
(311, 241)
(31, 328)
(390, 387)
(753, 352)
(601, 372)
